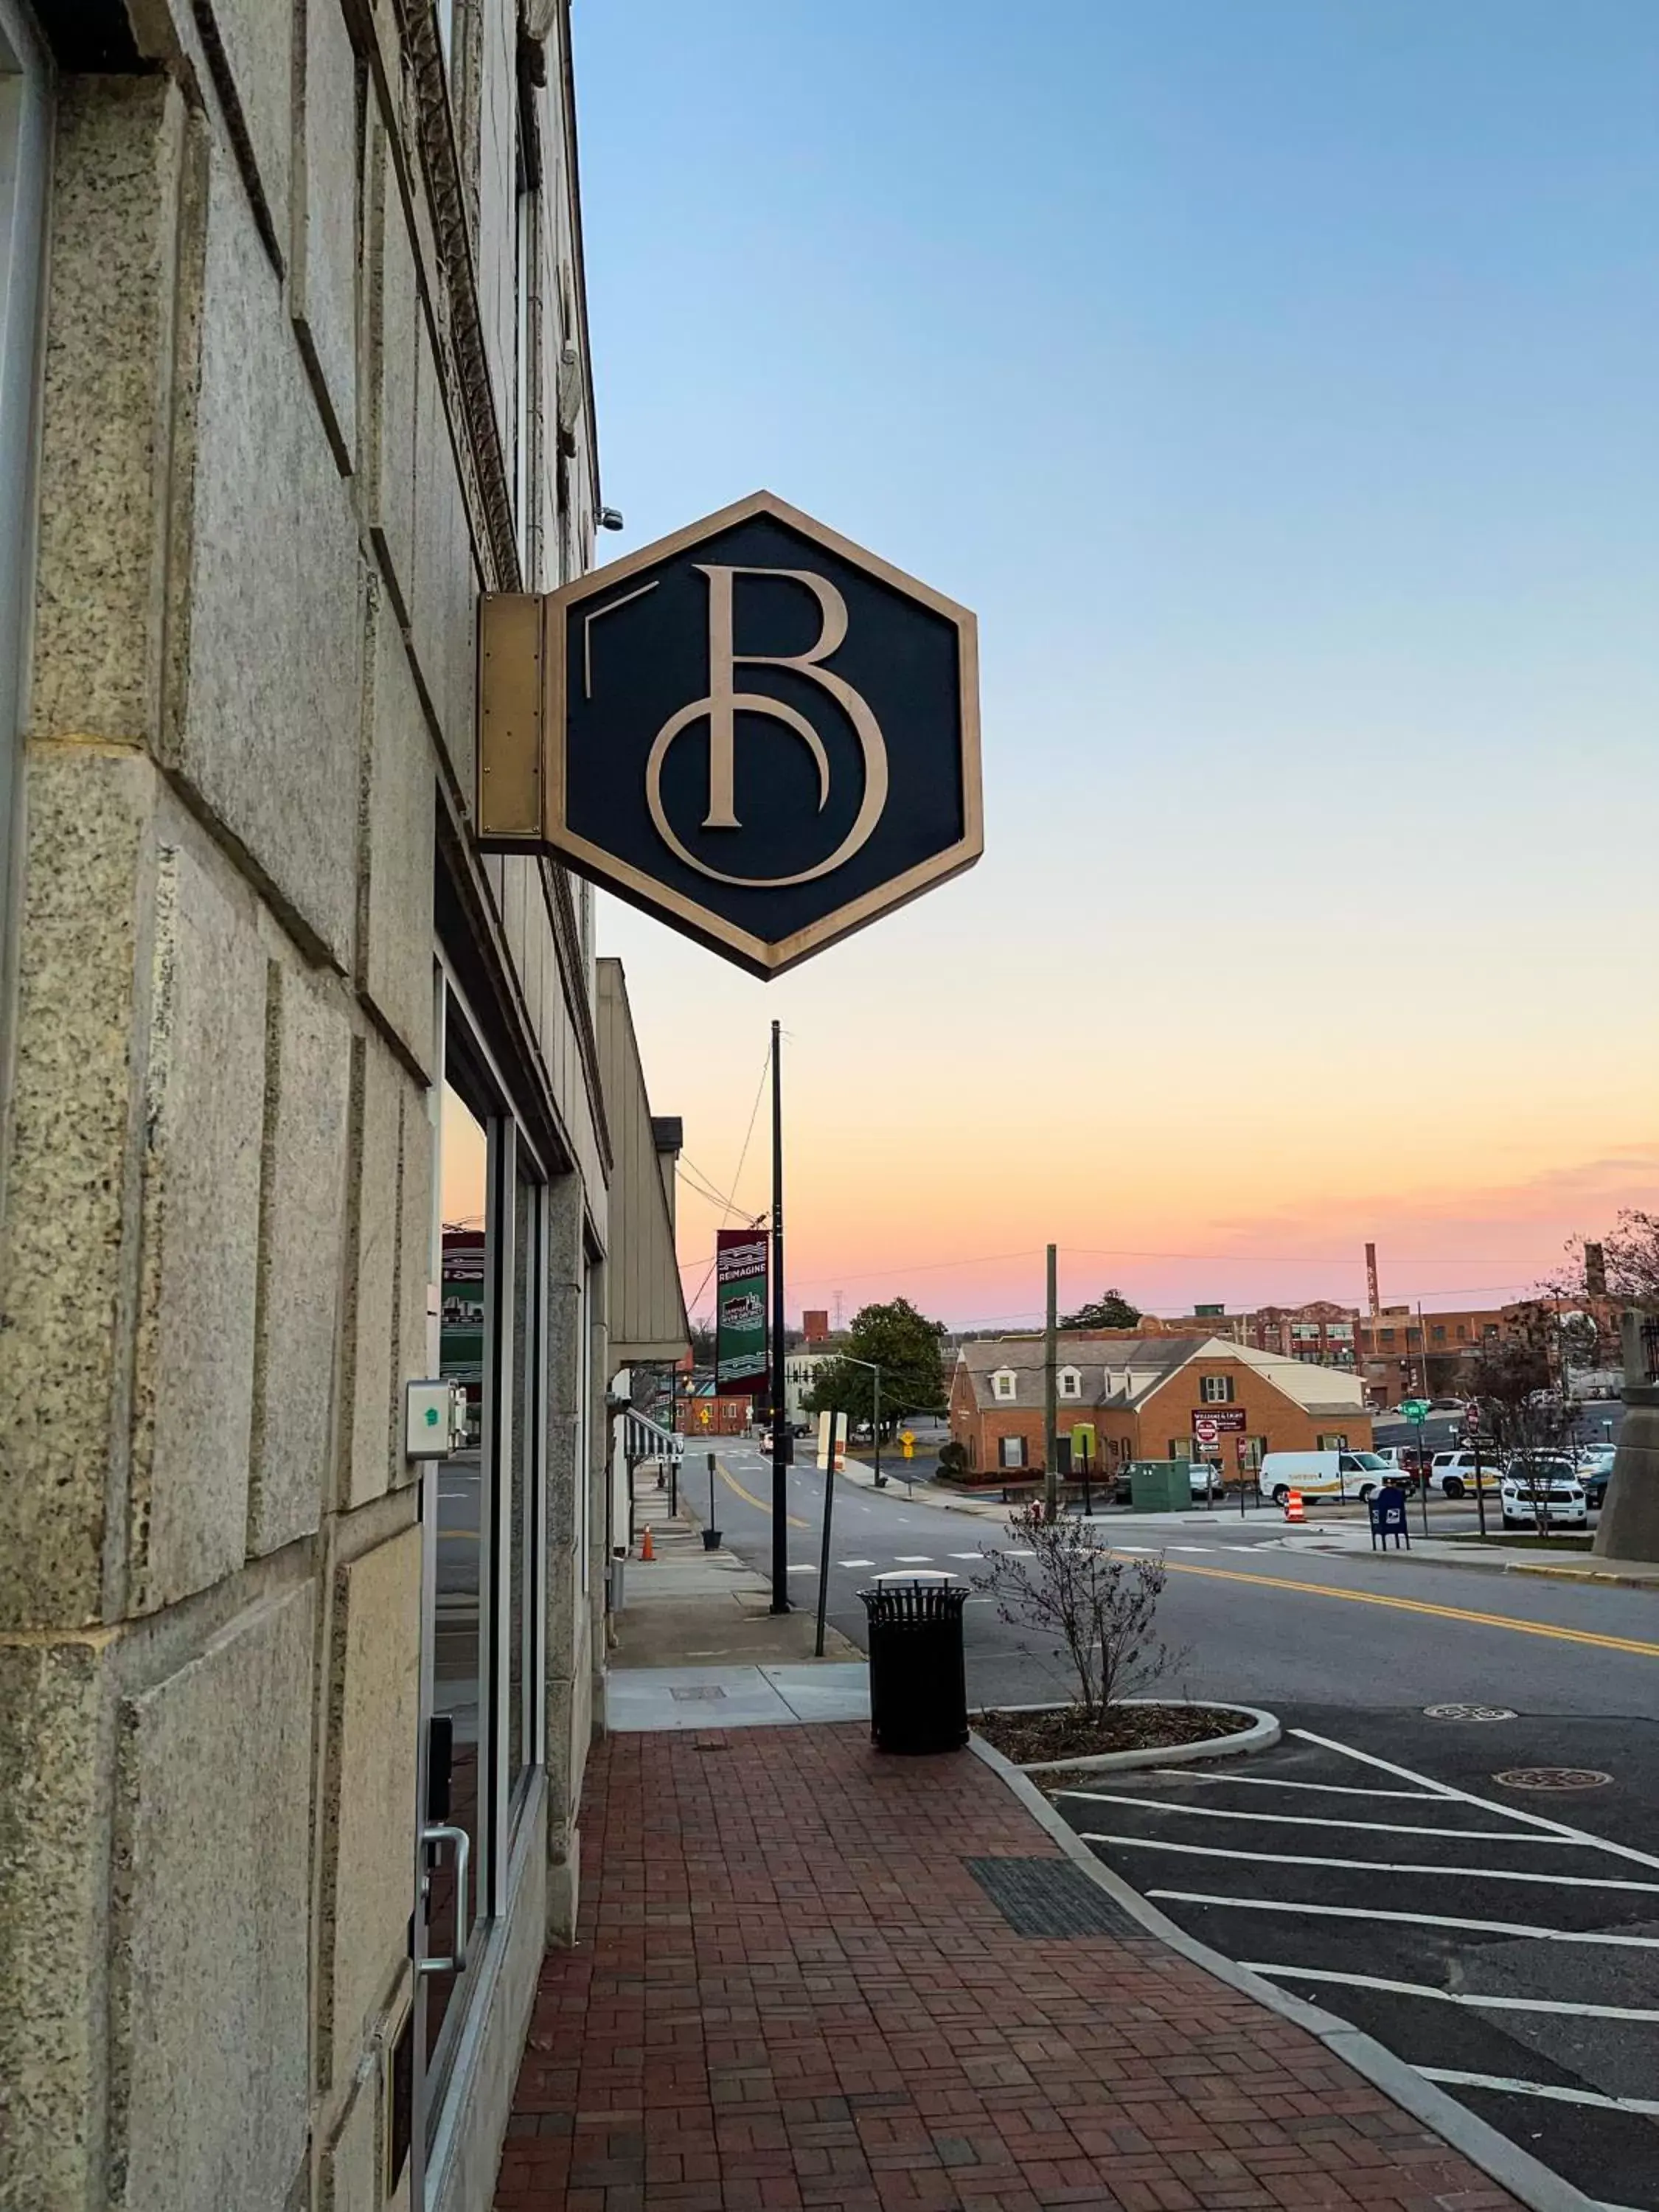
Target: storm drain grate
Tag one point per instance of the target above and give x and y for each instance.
(1049, 1897)
(695, 1692)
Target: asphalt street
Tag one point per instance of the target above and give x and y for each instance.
(1515, 1961)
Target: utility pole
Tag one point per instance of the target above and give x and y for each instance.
(875, 1426)
(780, 1410)
(1050, 1393)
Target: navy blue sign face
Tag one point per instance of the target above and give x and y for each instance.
(762, 734)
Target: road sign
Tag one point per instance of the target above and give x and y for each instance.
(1221, 1421)
(1472, 1418)
(754, 729)
(1414, 1409)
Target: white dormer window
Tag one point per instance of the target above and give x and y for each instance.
(1215, 1390)
(1002, 1384)
(1070, 1383)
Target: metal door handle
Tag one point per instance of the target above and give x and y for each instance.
(437, 1833)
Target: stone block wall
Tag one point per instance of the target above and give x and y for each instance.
(274, 474)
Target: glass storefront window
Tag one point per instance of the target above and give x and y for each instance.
(523, 1456)
(459, 1646)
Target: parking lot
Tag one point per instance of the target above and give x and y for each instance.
(1502, 1936)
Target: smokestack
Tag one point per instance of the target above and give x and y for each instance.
(1371, 1280)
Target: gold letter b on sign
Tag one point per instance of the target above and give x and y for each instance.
(723, 702)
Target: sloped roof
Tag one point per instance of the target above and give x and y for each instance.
(1102, 1364)
(1126, 1370)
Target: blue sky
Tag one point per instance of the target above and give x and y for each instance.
(1279, 381)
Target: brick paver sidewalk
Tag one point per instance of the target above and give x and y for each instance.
(790, 1991)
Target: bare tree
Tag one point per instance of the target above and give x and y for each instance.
(1100, 1605)
(1627, 1269)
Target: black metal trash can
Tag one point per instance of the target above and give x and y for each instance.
(918, 1682)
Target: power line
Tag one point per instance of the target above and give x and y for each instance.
(737, 1175)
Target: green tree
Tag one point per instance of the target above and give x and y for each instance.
(905, 1344)
(1111, 1309)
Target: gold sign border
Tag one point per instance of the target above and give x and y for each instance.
(521, 743)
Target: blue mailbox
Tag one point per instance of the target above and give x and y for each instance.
(1387, 1512)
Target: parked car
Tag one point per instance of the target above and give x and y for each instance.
(1451, 1473)
(1595, 1473)
(1549, 1489)
(1402, 1460)
(1207, 1482)
(1322, 1474)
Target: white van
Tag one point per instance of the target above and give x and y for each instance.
(1322, 1474)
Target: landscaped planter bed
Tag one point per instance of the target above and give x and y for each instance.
(1134, 1731)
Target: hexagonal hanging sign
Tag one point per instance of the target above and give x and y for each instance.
(754, 729)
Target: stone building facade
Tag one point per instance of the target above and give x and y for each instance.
(302, 1100)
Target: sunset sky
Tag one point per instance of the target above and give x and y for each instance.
(1279, 379)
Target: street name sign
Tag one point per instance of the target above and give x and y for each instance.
(1414, 1409)
(755, 730)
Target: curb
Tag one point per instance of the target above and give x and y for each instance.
(1261, 1737)
(1482, 1562)
(1527, 2178)
(1577, 1574)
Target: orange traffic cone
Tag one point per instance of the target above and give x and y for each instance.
(648, 1550)
(1292, 1512)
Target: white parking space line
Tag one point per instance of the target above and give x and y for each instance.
(1368, 1912)
(964, 1555)
(1267, 1782)
(1315, 1820)
(912, 1558)
(855, 1563)
(1486, 1804)
(1180, 1547)
(803, 1567)
(1449, 1996)
(1647, 2108)
(1370, 1866)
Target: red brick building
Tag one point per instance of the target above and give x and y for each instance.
(1139, 1395)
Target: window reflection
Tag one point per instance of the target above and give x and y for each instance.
(525, 1335)
(458, 1669)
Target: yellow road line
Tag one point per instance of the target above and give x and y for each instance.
(732, 1483)
(1421, 1605)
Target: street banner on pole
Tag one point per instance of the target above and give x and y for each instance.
(740, 1357)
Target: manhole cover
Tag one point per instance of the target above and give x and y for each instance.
(1553, 1777)
(1468, 1713)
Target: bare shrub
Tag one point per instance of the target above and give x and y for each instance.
(1099, 1604)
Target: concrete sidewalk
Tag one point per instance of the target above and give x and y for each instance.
(1494, 1558)
(691, 1607)
(810, 1976)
